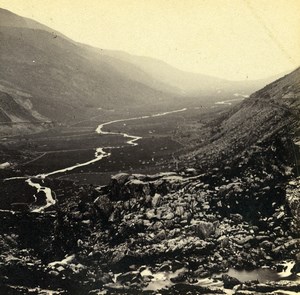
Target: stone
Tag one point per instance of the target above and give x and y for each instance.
(168, 216)
(270, 287)
(157, 225)
(241, 240)
(179, 211)
(156, 200)
(180, 278)
(161, 235)
(296, 268)
(205, 229)
(128, 277)
(104, 206)
(150, 214)
(229, 282)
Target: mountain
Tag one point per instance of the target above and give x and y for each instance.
(191, 84)
(9, 19)
(65, 81)
(271, 110)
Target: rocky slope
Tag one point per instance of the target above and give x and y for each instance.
(180, 230)
(272, 110)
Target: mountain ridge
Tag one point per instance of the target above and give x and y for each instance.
(67, 80)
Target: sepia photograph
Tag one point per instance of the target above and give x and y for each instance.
(149, 147)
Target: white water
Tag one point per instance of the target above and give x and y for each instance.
(49, 198)
(287, 269)
(229, 101)
(99, 155)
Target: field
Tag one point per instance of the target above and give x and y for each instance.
(66, 146)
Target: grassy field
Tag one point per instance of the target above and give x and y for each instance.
(163, 140)
(66, 146)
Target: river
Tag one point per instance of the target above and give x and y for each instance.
(100, 153)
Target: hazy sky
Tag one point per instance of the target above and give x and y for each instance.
(234, 39)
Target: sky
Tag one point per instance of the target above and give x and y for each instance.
(232, 39)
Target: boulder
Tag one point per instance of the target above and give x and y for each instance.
(129, 277)
(293, 200)
(104, 206)
(156, 200)
(205, 229)
(229, 282)
(116, 184)
(296, 268)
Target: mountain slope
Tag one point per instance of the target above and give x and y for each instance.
(65, 79)
(9, 19)
(273, 109)
(61, 77)
(190, 84)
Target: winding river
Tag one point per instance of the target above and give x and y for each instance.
(100, 153)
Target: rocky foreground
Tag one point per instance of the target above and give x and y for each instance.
(170, 233)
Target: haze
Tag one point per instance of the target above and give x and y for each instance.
(232, 39)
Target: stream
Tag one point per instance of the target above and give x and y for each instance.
(100, 153)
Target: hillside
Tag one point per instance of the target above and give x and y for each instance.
(63, 78)
(274, 108)
(66, 81)
(191, 84)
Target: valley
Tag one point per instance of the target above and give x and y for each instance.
(121, 174)
(69, 152)
(166, 207)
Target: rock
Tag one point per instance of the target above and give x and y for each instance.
(129, 277)
(104, 206)
(236, 217)
(60, 268)
(179, 211)
(76, 215)
(229, 282)
(180, 278)
(161, 235)
(177, 265)
(115, 216)
(157, 225)
(293, 200)
(190, 171)
(270, 287)
(241, 240)
(116, 184)
(262, 238)
(150, 214)
(120, 178)
(54, 273)
(168, 216)
(156, 200)
(164, 267)
(182, 288)
(205, 229)
(296, 268)
(224, 241)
